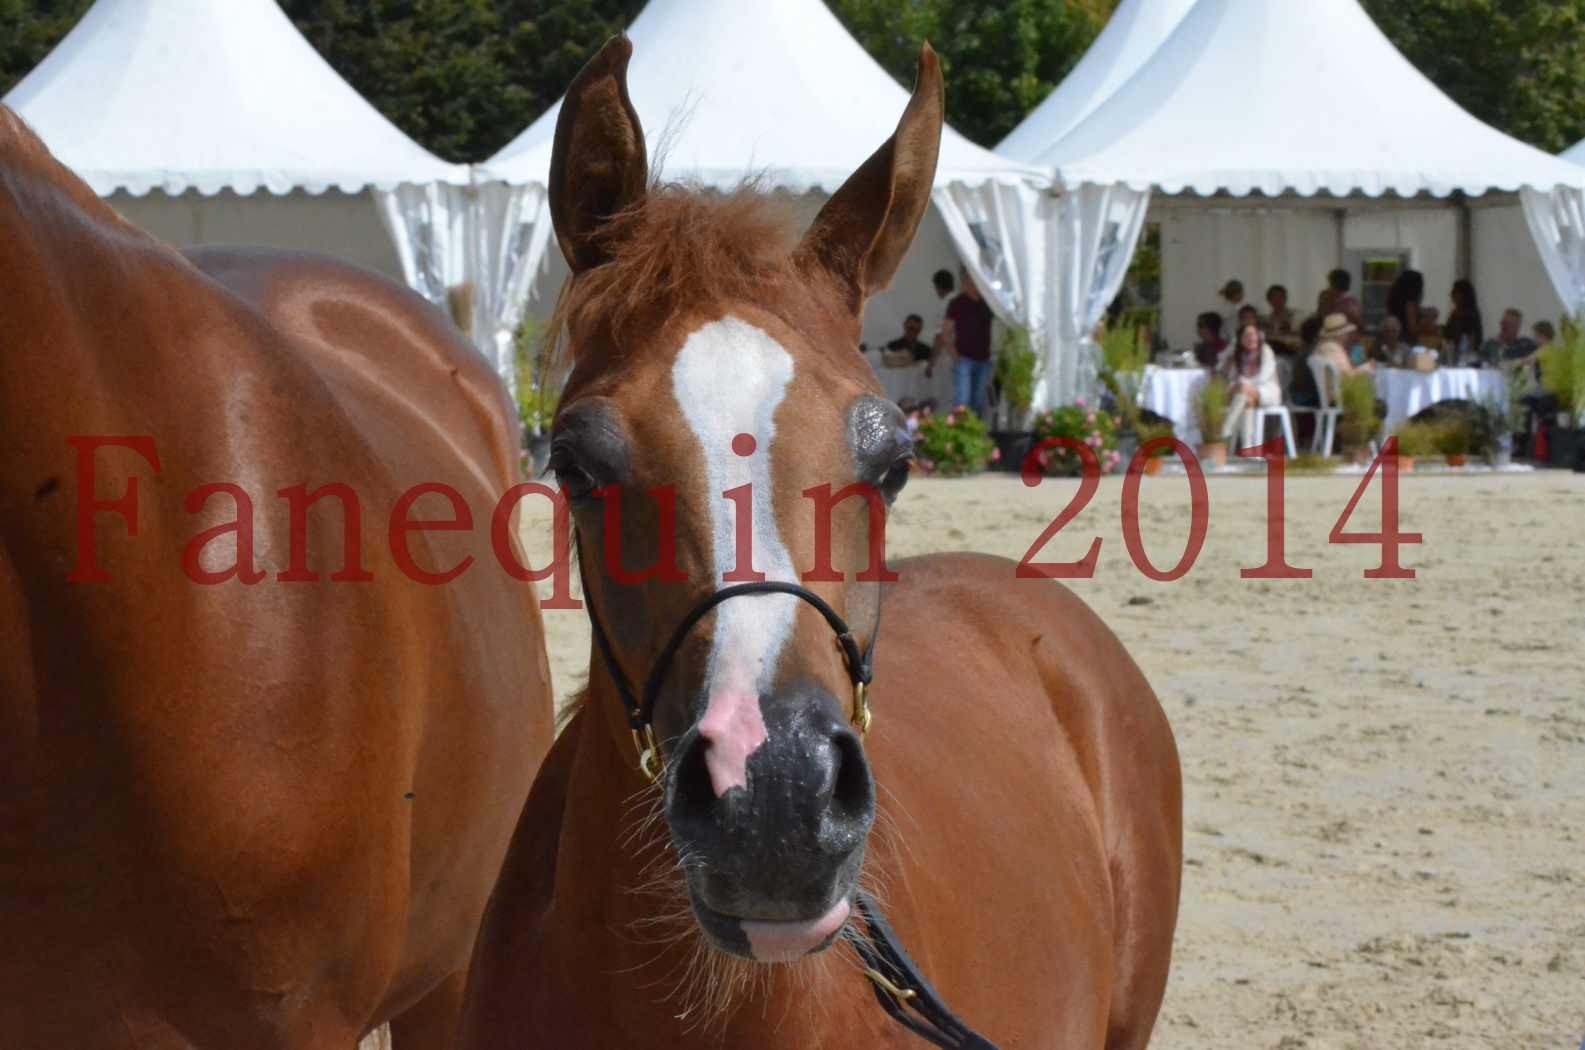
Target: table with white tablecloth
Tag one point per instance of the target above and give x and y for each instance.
(1171, 392)
(1408, 392)
(910, 382)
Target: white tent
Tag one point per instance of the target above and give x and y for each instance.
(1288, 101)
(726, 89)
(210, 102)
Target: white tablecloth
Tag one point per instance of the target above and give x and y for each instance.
(1408, 392)
(1170, 392)
(910, 382)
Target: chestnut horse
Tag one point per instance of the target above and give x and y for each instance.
(245, 801)
(1020, 774)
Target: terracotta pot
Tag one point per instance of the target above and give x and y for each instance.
(1214, 453)
(1405, 464)
(1153, 465)
(1457, 459)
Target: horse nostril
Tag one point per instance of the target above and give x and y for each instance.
(851, 805)
(692, 791)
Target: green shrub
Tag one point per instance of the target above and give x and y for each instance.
(537, 395)
(1151, 431)
(1418, 439)
(954, 444)
(1210, 405)
(1085, 424)
(1563, 368)
(1455, 437)
(1017, 364)
(1359, 422)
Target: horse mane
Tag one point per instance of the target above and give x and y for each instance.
(678, 244)
(21, 150)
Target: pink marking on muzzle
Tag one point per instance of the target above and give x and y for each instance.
(773, 942)
(732, 729)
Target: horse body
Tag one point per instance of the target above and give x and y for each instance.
(728, 463)
(244, 814)
(1027, 853)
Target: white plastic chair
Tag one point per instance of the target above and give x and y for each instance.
(1281, 412)
(1327, 379)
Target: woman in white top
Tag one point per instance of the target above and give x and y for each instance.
(1250, 368)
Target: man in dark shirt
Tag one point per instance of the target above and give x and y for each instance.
(910, 341)
(969, 326)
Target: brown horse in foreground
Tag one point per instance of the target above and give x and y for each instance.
(243, 815)
(1022, 778)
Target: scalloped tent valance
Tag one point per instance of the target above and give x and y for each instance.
(204, 95)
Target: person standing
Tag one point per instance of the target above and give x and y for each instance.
(1464, 334)
(969, 327)
(1338, 299)
(940, 342)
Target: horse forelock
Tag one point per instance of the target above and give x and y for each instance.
(680, 250)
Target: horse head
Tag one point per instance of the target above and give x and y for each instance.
(716, 420)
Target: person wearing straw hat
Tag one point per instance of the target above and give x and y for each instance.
(1331, 347)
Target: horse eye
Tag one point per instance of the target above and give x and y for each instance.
(897, 476)
(573, 479)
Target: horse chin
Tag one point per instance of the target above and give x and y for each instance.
(772, 940)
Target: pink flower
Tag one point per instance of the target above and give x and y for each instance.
(1090, 419)
(996, 455)
(1079, 401)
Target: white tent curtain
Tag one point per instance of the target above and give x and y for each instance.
(1096, 232)
(512, 229)
(491, 238)
(1557, 222)
(429, 226)
(1001, 233)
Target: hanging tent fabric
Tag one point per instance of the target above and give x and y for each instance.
(1340, 113)
(217, 103)
(1559, 218)
(1099, 226)
(775, 89)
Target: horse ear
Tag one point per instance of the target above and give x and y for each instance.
(598, 165)
(862, 233)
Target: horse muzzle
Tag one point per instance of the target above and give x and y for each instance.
(772, 864)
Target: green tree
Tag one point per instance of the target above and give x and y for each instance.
(28, 29)
(1000, 57)
(460, 76)
(1518, 65)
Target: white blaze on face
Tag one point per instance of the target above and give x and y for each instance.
(729, 379)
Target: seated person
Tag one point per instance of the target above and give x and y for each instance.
(1390, 348)
(908, 343)
(1301, 389)
(1208, 349)
(1511, 347)
(1336, 331)
(1251, 371)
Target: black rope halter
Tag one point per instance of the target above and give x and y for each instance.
(641, 707)
(899, 986)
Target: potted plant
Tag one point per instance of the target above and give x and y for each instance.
(1017, 366)
(1086, 424)
(1416, 440)
(1210, 406)
(1563, 375)
(1149, 432)
(1359, 422)
(1455, 438)
(1121, 371)
(1493, 426)
(954, 445)
(537, 395)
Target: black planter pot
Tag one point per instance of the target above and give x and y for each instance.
(538, 447)
(1565, 447)
(1013, 445)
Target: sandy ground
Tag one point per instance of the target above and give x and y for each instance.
(1384, 780)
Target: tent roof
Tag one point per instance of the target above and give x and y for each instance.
(727, 87)
(1575, 153)
(209, 95)
(1252, 96)
(1131, 36)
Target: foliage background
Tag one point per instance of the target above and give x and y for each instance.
(464, 76)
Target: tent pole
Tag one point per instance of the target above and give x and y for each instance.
(1466, 235)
